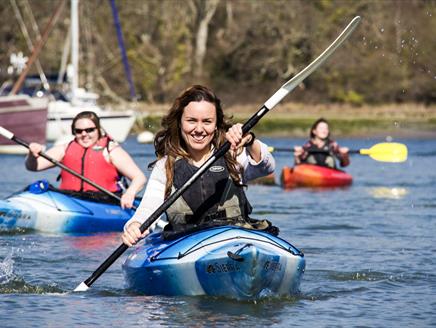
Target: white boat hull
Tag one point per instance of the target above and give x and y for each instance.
(61, 115)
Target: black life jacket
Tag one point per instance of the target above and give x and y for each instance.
(323, 156)
(213, 196)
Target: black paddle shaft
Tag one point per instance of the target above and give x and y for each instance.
(173, 197)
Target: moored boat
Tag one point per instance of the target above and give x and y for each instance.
(62, 111)
(43, 208)
(309, 175)
(26, 116)
(226, 261)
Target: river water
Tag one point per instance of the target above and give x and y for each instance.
(370, 256)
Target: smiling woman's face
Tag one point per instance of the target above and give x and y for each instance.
(198, 125)
(85, 132)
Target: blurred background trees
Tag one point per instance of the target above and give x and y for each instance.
(243, 48)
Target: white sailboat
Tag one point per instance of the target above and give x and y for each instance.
(62, 111)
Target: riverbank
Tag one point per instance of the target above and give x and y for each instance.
(294, 120)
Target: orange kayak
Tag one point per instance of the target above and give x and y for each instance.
(308, 175)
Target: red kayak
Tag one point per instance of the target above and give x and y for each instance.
(308, 175)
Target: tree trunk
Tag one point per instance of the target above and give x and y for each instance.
(205, 11)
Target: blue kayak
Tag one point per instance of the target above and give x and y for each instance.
(226, 261)
(50, 210)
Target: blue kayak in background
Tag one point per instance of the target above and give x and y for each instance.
(226, 261)
(47, 209)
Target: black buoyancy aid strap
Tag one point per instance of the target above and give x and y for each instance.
(83, 169)
(226, 191)
(209, 194)
(66, 149)
(320, 155)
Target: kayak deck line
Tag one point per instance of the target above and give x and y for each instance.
(180, 256)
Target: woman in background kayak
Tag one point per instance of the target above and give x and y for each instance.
(194, 127)
(94, 155)
(320, 149)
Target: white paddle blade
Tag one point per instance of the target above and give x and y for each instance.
(297, 79)
(81, 288)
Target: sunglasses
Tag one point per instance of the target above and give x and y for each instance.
(87, 130)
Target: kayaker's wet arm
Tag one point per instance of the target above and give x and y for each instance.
(299, 152)
(34, 162)
(152, 199)
(254, 149)
(128, 168)
(255, 169)
(341, 153)
(238, 141)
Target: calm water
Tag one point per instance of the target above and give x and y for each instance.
(370, 252)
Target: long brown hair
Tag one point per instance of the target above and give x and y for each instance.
(169, 142)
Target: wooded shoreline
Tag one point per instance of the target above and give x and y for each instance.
(294, 119)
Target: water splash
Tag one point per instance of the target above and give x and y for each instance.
(10, 283)
(6, 269)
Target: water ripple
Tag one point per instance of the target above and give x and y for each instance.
(333, 227)
(17, 285)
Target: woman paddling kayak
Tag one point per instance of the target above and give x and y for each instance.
(320, 149)
(93, 154)
(194, 127)
(315, 162)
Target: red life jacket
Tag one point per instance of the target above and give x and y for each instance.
(90, 163)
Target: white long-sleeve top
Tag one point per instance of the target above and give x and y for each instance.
(155, 191)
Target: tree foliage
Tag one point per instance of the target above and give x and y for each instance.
(243, 48)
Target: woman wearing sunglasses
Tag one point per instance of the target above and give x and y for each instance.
(94, 155)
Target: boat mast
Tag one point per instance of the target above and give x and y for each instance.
(74, 48)
(37, 48)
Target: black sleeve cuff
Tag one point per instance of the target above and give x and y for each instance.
(253, 137)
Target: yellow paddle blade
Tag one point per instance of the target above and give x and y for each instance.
(387, 152)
